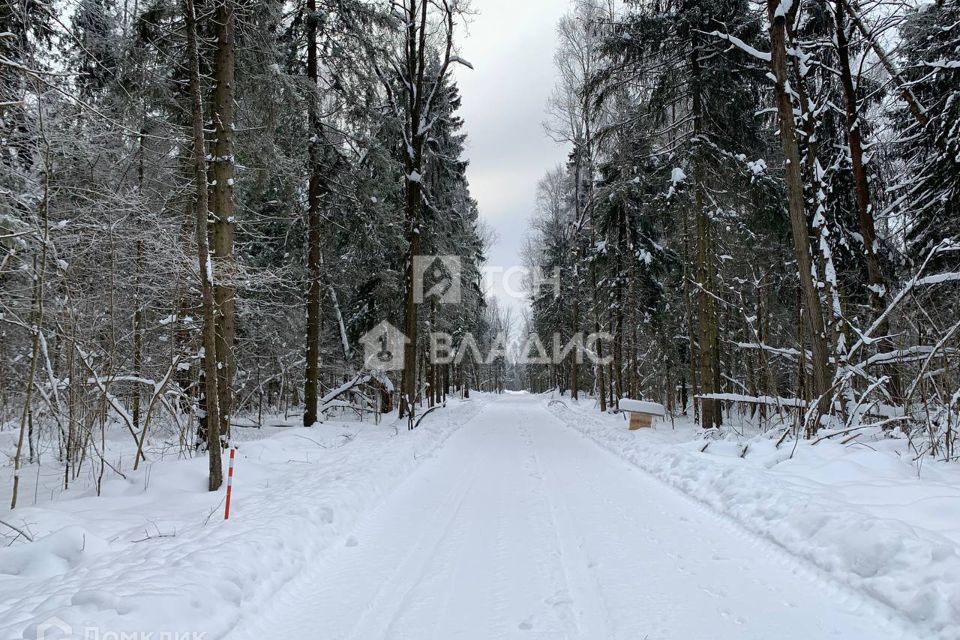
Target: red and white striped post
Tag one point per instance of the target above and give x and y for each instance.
(226, 509)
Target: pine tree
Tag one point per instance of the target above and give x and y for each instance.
(930, 146)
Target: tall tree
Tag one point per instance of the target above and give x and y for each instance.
(205, 265)
(421, 65)
(575, 118)
(695, 113)
(812, 307)
(930, 145)
(314, 222)
(222, 207)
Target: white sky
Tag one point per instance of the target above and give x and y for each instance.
(511, 45)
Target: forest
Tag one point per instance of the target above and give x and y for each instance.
(206, 205)
(761, 207)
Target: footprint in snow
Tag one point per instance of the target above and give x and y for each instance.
(351, 541)
(710, 592)
(730, 615)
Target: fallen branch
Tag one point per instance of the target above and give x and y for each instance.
(428, 412)
(851, 438)
(18, 530)
(861, 427)
(327, 401)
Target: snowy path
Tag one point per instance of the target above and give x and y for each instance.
(520, 528)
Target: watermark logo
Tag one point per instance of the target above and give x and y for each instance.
(56, 629)
(436, 278)
(383, 348)
(520, 283)
(529, 351)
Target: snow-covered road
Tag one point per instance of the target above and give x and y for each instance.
(521, 528)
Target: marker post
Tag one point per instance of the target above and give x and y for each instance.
(226, 509)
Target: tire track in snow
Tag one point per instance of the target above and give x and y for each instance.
(846, 595)
(521, 531)
(584, 604)
(559, 601)
(387, 605)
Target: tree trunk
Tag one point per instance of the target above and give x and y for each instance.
(594, 292)
(26, 418)
(408, 385)
(862, 190)
(204, 261)
(223, 209)
(692, 350)
(416, 46)
(72, 428)
(311, 383)
(575, 327)
(138, 329)
(710, 410)
(138, 306)
(601, 379)
(916, 109)
(798, 217)
(36, 320)
(619, 334)
(854, 138)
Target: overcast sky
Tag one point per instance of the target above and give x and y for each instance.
(511, 45)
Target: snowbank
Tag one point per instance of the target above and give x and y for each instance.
(641, 406)
(860, 513)
(154, 554)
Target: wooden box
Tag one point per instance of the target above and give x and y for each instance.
(640, 420)
(641, 412)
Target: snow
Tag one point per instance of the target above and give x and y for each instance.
(743, 46)
(861, 515)
(939, 278)
(153, 554)
(459, 60)
(53, 555)
(639, 406)
(499, 517)
(881, 291)
(332, 395)
(767, 400)
(783, 8)
(757, 167)
(520, 528)
(676, 177)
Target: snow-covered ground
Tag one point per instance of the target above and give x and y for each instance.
(499, 518)
(522, 529)
(153, 553)
(865, 513)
